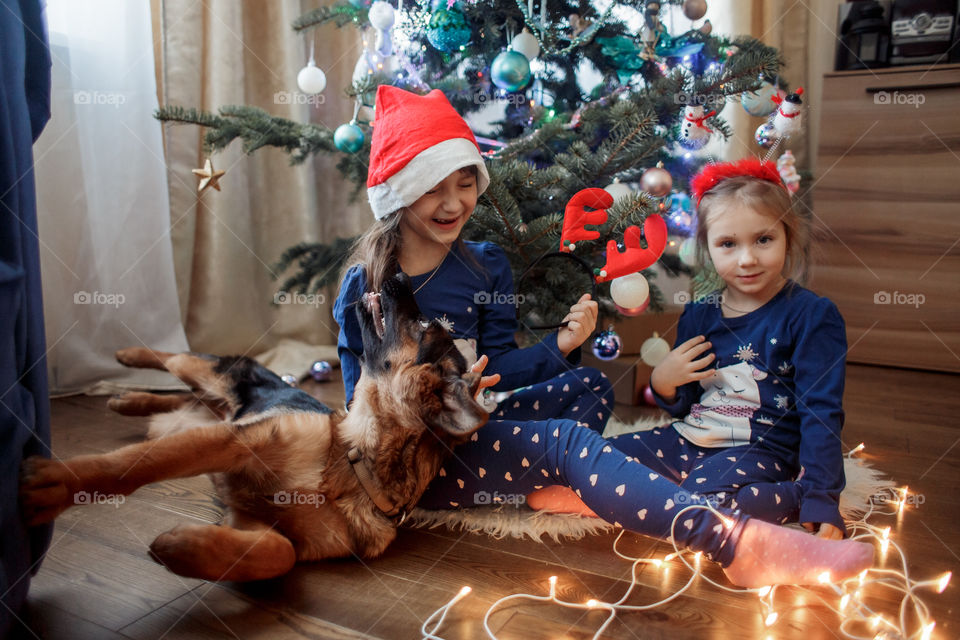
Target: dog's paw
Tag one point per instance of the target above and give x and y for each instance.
(185, 550)
(46, 489)
(136, 357)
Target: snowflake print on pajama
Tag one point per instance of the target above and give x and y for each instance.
(513, 458)
(749, 477)
(584, 395)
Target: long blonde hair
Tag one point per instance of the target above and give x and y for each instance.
(768, 199)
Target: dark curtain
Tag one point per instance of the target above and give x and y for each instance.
(24, 405)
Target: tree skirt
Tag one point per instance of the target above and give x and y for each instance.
(863, 482)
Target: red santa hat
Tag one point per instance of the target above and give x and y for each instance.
(417, 142)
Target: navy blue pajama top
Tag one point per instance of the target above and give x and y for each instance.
(473, 298)
(777, 380)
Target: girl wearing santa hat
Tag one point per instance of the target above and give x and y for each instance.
(425, 176)
(424, 179)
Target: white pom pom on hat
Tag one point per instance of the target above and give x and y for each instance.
(417, 142)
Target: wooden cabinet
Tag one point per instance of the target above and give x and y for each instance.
(886, 208)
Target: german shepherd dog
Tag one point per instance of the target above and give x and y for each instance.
(300, 482)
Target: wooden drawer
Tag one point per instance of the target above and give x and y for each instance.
(887, 213)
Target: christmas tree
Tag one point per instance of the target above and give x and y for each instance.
(636, 131)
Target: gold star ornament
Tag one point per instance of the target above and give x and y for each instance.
(208, 177)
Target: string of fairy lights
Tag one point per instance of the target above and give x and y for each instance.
(850, 599)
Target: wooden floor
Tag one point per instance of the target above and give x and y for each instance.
(97, 581)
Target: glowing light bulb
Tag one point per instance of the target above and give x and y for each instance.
(727, 522)
(944, 581)
(591, 603)
(656, 563)
(844, 601)
(771, 619)
(857, 449)
(669, 557)
(928, 630)
(824, 578)
(464, 591)
(863, 575)
(764, 591)
(553, 580)
(885, 540)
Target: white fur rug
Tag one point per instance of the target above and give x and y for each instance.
(500, 521)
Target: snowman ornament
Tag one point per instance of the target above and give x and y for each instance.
(693, 132)
(787, 120)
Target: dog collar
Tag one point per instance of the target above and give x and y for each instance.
(371, 486)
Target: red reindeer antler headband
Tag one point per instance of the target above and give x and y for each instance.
(713, 174)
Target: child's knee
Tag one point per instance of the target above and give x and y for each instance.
(597, 382)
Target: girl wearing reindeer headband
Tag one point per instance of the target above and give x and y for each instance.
(755, 380)
(514, 454)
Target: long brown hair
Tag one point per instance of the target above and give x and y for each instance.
(378, 248)
(768, 199)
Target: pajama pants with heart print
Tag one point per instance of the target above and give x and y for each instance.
(583, 394)
(751, 477)
(512, 456)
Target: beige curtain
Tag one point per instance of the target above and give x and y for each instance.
(223, 52)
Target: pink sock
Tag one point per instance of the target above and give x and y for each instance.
(768, 554)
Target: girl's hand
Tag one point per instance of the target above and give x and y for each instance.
(681, 366)
(827, 530)
(581, 322)
(485, 381)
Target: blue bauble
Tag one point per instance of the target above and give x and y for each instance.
(607, 345)
(321, 371)
(766, 135)
(448, 30)
(510, 71)
(348, 138)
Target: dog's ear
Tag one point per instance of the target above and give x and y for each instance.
(461, 414)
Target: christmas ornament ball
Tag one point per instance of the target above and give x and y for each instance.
(630, 291)
(448, 29)
(321, 371)
(618, 190)
(688, 252)
(648, 396)
(766, 135)
(526, 43)
(348, 138)
(759, 103)
(654, 350)
(635, 311)
(656, 181)
(607, 345)
(510, 71)
(381, 15)
(311, 79)
(694, 9)
(290, 379)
